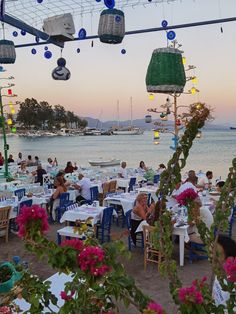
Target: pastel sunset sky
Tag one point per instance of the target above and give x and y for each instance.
(100, 76)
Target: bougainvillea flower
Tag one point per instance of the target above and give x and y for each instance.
(230, 268)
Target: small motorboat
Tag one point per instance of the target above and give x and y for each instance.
(104, 162)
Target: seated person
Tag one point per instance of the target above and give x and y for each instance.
(30, 161)
(51, 164)
(139, 213)
(55, 198)
(83, 186)
(23, 168)
(10, 159)
(161, 168)
(142, 168)
(69, 167)
(219, 186)
(37, 161)
(19, 159)
(61, 174)
(122, 172)
(205, 181)
(39, 172)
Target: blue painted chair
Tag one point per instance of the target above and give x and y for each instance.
(19, 193)
(104, 227)
(64, 203)
(27, 203)
(139, 235)
(197, 252)
(132, 182)
(94, 193)
(156, 178)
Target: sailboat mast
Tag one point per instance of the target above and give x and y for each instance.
(131, 111)
(118, 113)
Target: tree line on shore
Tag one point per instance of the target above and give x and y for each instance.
(41, 115)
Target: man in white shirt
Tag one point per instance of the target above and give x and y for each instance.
(205, 181)
(51, 164)
(83, 186)
(122, 173)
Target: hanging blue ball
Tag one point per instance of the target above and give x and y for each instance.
(164, 23)
(46, 48)
(109, 3)
(78, 50)
(37, 39)
(33, 51)
(23, 33)
(98, 0)
(39, 1)
(47, 54)
(171, 35)
(61, 62)
(15, 34)
(82, 33)
(123, 51)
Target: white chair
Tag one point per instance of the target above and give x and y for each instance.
(47, 179)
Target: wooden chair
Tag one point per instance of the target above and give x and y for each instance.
(151, 254)
(112, 186)
(4, 220)
(105, 190)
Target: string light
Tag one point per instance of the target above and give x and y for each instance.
(151, 96)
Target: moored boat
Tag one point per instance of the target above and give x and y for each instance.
(104, 162)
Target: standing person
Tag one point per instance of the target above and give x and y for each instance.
(19, 159)
(205, 182)
(10, 159)
(1, 159)
(70, 168)
(51, 164)
(122, 172)
(83, 186)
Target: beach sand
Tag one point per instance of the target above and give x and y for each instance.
(149, 281)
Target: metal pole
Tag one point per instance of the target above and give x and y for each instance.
(6, 173)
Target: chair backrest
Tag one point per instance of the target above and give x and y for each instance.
(47, 179)
(149, 237)
(128, 218)
(132, 182)
(64, 199)
(19, 193)
(27, 203)
(4, 216)
(107, 217)
(156, 178)
(94, 193)
(105, 188)
(112, 186)
(50, 186)
(72, 206)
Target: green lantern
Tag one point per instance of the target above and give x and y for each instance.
(166, 72)
(13, 129)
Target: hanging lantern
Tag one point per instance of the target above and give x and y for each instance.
(61, 72)
(193, 90)
(165, 73)
(13, 129)
(178, 122)
(199, 134)
(111, 28)
(151, 96)
(184, 60)
(148, 118)
(9, 121)
(162, 115)
(7, 51)
(156, 135)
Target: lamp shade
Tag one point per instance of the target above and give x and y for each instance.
(165, 73)
(156, 135)
(111, 28)
(7, 51)
(148, 118)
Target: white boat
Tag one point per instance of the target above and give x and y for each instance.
(65, 132)
(128, 131)
(104, 162)
(92, 131)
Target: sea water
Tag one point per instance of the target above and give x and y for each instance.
(214, 151)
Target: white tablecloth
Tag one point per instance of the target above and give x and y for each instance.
(150, 189)
(126, 200)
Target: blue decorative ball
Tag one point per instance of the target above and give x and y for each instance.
(109, 3)
(23, 33)
(61, 62)
(33, 51)
(78, 50)
(171, 35)
(123, 51)
(82, 33)
(37, 39)
(40, 1)
(118, 19)
(47, 54)
(15, 34)
(98, 0)
(46, 48)
(16, 259)
(164, 23)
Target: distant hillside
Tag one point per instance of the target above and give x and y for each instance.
(96, 123)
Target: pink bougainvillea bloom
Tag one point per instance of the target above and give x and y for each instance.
(74, 243)
(155, 308)
(186, 196)
(230, 268)
(190, 295)
(28, 214)
(5, 310)
(67, 297)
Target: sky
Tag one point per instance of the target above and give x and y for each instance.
(101, 76)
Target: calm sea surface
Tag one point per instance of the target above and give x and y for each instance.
(214, 151)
